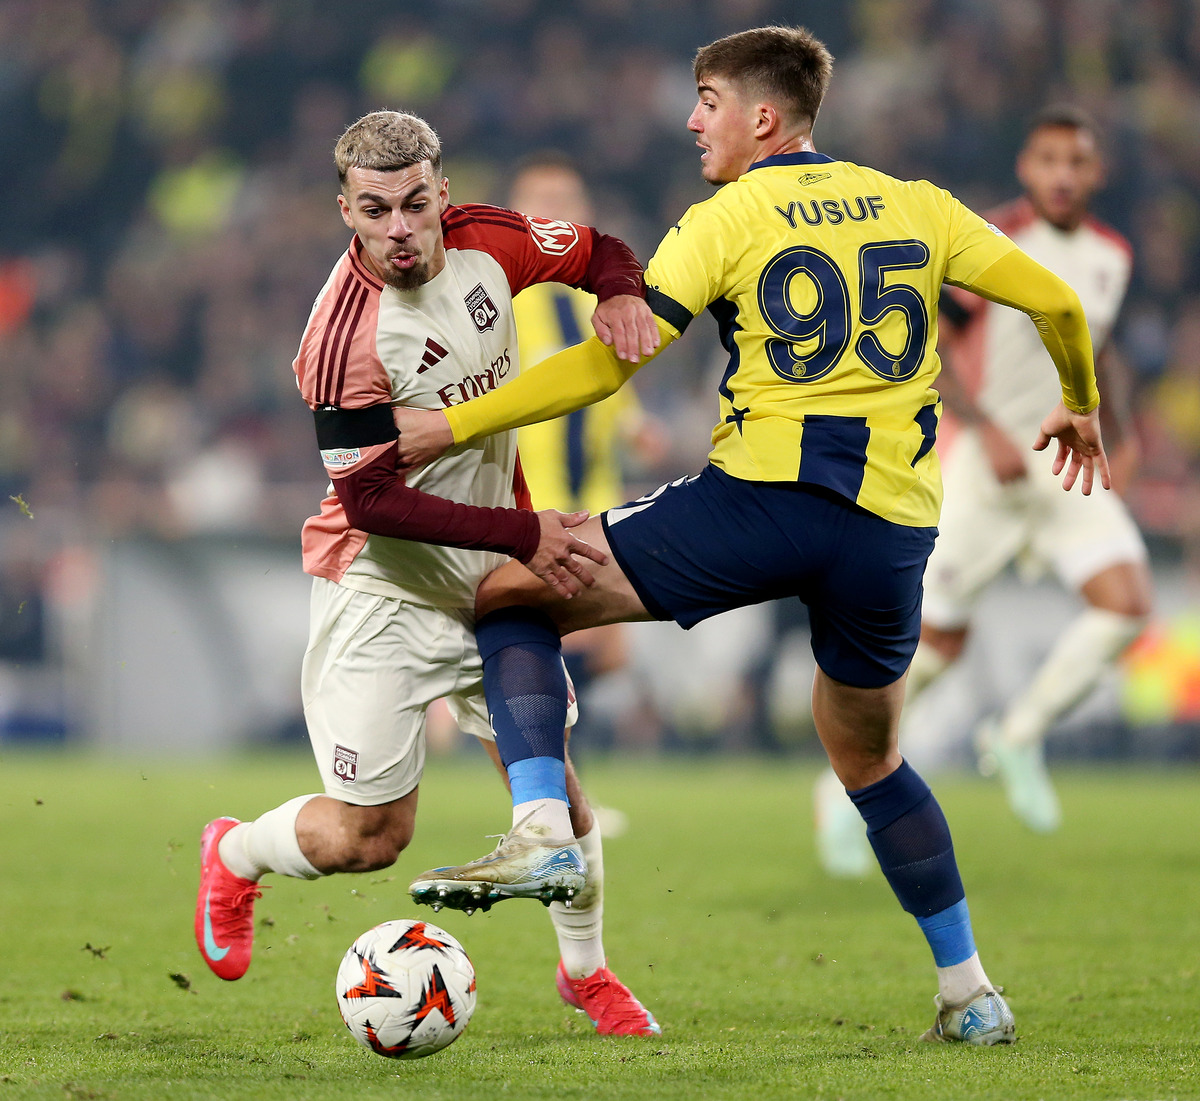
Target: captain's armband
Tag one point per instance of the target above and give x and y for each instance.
(343, 434)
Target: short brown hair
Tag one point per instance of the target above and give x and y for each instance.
(387, 141)
(1065, 116)
(786, 65)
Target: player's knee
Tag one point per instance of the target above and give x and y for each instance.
(1133, 602)
(947, 642)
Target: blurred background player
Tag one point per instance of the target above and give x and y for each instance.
(577, 461)
(418, 309)
(1000, 505)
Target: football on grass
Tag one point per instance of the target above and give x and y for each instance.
(406, 989)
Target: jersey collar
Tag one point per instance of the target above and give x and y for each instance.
(791, 158)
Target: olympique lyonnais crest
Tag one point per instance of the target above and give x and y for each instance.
(482, 308)
(552, 236)
(345, 764)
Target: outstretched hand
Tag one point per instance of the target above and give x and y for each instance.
(626, 324)
(1080, 447)
(559, 558)
(424, 435)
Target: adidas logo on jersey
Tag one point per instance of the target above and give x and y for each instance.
(434, 354)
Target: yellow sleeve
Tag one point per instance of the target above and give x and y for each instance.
(1017, 280)
(569, 380)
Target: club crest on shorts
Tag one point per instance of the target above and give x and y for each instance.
(345, 764)
(483, 309)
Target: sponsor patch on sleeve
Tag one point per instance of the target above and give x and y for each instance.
(337, 458)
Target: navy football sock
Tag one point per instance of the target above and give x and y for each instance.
(911, 839)
(526, 690)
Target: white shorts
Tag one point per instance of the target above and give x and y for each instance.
(373, 666)
(985, 526)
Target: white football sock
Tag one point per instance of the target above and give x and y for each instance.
(927, 665)
(1088, 646)
(579, 927)
(958, 982)
(547, 818)
(268, 844)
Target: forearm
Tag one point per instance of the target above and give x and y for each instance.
(1022, 283)
(953, 393)
(575, 377)
(378, 501)
(1116, 415)
(613, 269)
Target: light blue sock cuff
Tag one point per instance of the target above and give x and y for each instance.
(949, 934)
(538, 778)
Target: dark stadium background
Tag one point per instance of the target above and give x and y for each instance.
(168, 216)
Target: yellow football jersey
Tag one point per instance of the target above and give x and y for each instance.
(824, 278)
(572, 462)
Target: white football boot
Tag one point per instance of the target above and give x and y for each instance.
(519, 867)
(984, 1019)
(841, 835)
(1022, 770)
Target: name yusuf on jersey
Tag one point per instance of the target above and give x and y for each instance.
(833, 211)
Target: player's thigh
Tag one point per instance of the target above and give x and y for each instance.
(864, 599)
(983, 526)
(372, 667)
(610, 599)
(1082, 537)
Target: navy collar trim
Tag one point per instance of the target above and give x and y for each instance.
(792, 158)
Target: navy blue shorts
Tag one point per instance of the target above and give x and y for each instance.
(703, 545)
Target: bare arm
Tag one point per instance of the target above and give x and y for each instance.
(1005, 457)
(1116, 416)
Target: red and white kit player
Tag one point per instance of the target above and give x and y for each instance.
(418, 311)
(1001, 503)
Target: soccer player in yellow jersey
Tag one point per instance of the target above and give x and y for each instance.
(823, 482)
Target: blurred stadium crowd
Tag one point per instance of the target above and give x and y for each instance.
(169, 216)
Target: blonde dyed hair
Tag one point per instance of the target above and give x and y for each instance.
(387, 141)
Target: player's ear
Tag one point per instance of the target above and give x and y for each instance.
(766, 120)
(443, 196)
(344, 207)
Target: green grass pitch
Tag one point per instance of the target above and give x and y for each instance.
(770, 981)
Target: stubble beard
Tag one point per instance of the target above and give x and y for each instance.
(407, 279)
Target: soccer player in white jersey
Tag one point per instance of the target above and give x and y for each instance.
(1000, 504)
(418, 310)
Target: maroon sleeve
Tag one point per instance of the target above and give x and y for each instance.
(541, 250)
(613, 269)
(377, 501)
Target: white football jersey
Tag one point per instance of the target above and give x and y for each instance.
(1002, 358)
(449, 340)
